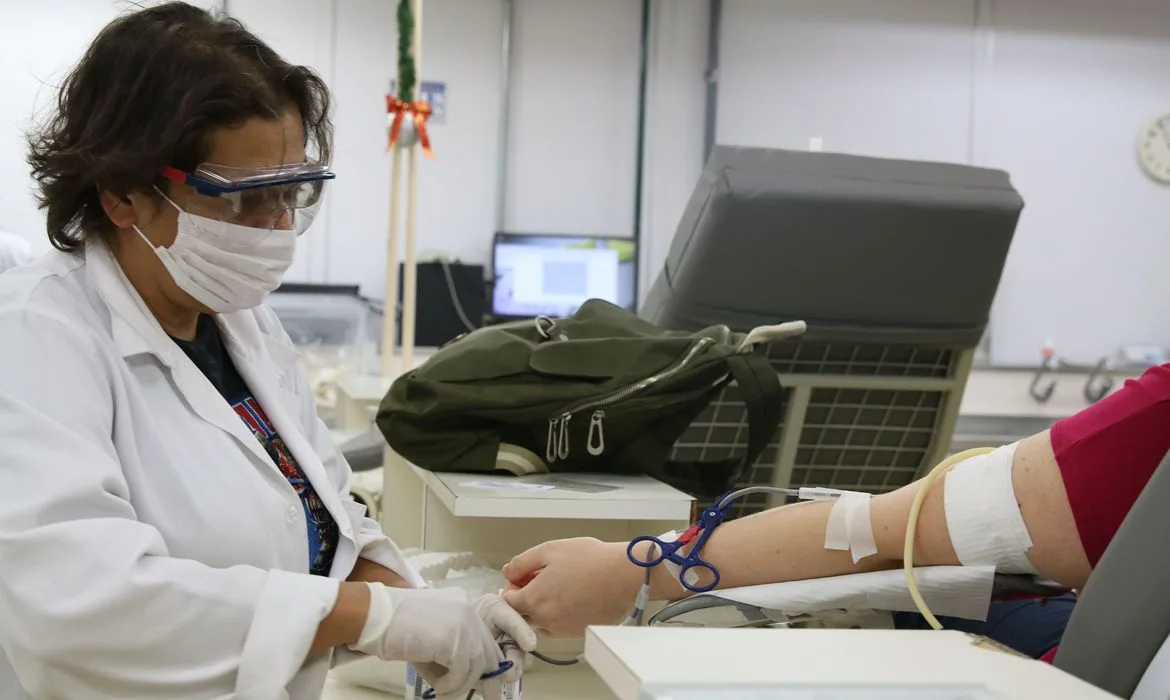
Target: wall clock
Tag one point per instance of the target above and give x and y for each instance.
(1154, 149)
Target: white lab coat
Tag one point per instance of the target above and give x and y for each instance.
(14, 251)
(149, 548)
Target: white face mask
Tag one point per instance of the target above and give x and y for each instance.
(226, 267)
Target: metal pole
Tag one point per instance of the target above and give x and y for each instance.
(640, 143)
(714, 33)
(505, 113)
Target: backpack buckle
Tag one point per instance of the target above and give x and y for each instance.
(548, 329)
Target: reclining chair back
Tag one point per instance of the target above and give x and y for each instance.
(1121, 624)
(864, 250)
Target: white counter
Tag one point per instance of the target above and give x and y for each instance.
(574, 683)
(992, 392)
(626, 498)
(629, 659)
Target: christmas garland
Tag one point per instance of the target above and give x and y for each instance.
(407, 80)
(398, 106)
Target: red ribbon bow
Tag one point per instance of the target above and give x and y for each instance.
(420, 111)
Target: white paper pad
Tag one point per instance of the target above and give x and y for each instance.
(953, 591)
(508, 485)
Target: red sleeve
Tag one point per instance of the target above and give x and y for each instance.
(1108, 452)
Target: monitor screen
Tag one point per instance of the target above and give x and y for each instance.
(551, 275)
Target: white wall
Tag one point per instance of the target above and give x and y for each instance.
(1053, 91)
(571, 136)
(572, 139)
(886, 79)
(352, 43)
(39, 42)
(675, 92)
(292, 28)
(456, 189)
(1070, 85)
(570, 163)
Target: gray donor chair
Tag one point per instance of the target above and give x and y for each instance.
(1119, 636)
(893, 264)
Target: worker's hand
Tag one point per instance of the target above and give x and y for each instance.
(506, 624)
(563, 586)
(448, 637)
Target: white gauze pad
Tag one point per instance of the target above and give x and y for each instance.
(849, 527)
(983, 516)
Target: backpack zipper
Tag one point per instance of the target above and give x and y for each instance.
(596, 448)
(557, 446)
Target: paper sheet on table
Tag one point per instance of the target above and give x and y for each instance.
(953, 591)
(507, 485)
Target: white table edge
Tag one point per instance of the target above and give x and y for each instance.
(532, 506)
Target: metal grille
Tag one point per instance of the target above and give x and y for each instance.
(869, 420)
(869, 360)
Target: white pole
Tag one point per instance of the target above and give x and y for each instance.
(389, 312)
(410, 270)
(403, 493)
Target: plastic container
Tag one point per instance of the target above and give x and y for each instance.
(416, 687)
(333, 328)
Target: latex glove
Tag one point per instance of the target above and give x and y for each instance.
(442, 632)
(505, 623)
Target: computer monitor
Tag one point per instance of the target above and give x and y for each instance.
(552, 275)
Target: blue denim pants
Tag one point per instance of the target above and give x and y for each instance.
(1032, 627)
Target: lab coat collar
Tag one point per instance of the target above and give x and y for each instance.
(134, 327)
(255, 354)
(136, 332)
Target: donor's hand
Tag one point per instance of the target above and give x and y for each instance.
(563, 586)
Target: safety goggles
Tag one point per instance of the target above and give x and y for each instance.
(284, 197)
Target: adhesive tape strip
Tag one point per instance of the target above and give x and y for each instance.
(983, 516)
(849, 527)
(861, 541)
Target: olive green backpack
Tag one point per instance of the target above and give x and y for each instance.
(602, 391)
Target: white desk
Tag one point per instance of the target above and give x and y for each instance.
(629, 658)
(456, 516)
(358, 395)
(498, 524)
(628, 498)
(574, 683)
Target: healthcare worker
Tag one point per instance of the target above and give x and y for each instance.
(1068, 488)
(174, 520)
(14, 250)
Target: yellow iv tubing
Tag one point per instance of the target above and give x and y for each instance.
(912, 528)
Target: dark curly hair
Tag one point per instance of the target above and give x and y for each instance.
(147, 94)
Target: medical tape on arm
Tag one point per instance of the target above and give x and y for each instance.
(849, 527)
(983, 516)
